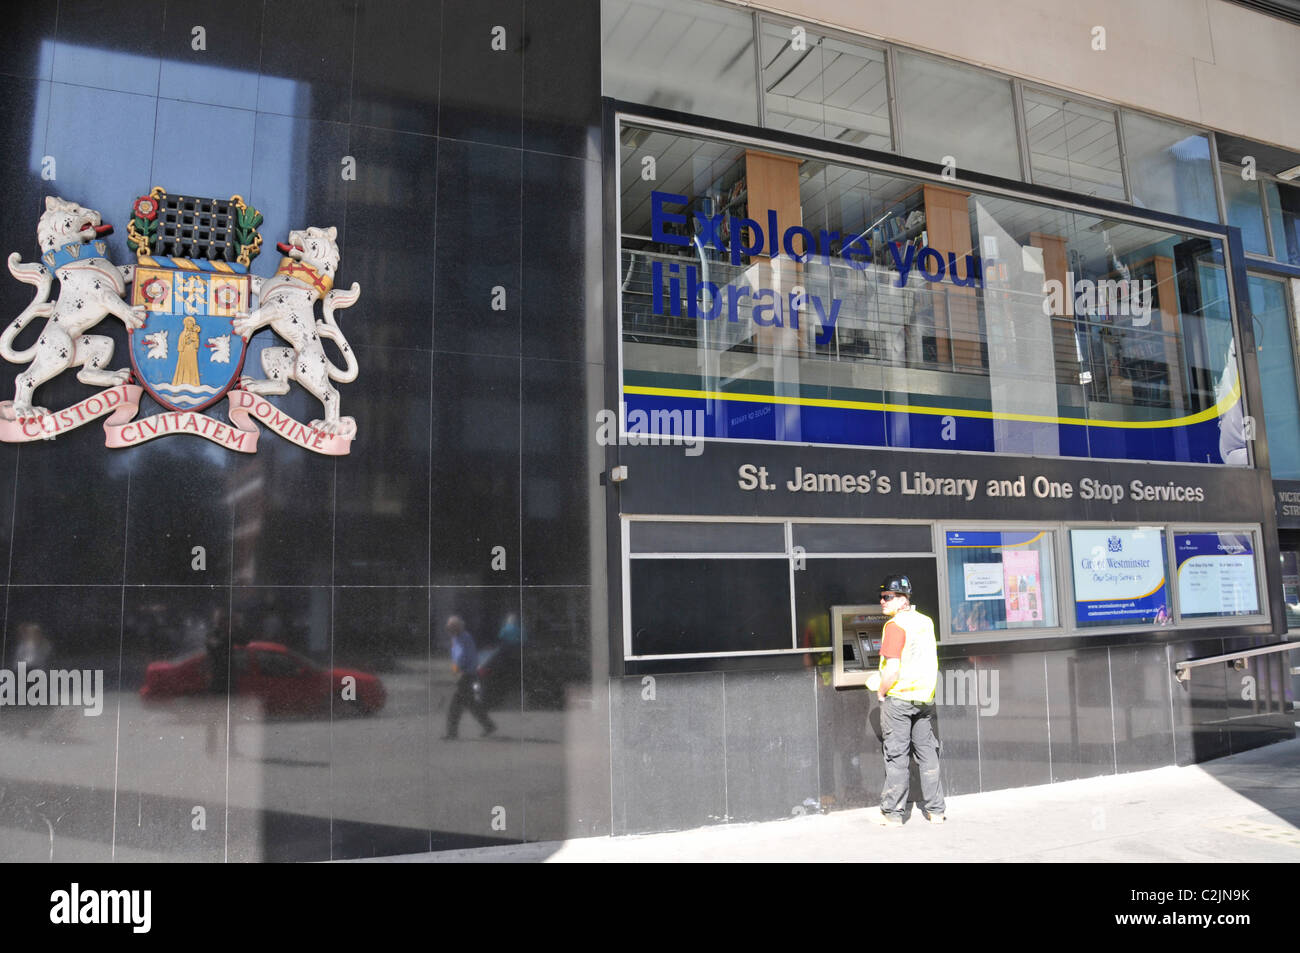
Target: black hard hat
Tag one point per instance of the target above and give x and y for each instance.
(896, 583)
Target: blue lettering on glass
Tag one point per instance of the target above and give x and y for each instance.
(659, 215)
(769, 309)
(856, 252)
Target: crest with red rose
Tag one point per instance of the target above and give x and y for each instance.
(144, 220)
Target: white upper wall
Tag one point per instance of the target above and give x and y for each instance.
(1209, 62)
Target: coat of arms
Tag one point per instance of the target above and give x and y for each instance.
(191, 282)
(189, 321)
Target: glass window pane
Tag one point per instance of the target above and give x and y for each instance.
(1000, 580)
(680, 54)
(1170, 167)
(1245, 210)
(824, 86)
(675, 537)
(1216, 574)
(1284, 219)
(951, 110)
(862, 538)
(675, 605)
(824, 583)
(1291, 582)
(1277, 375)
(1073, 145)
(1119, 577)
(769, 296)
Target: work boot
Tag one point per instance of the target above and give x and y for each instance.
(884, 820)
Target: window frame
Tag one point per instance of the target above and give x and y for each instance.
(1061, 572)
(1255, 531)
(1291, 299)
(1017, 114)
(778, 141)
(948, 634)
(1040, 89)
(1075, 628)
(1211, 145)
(789, 555)
(885, 49)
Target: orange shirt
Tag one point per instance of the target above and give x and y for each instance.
(893, 638)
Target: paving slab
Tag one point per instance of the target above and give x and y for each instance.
(1240, 809)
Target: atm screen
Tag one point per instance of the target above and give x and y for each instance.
(849, 655)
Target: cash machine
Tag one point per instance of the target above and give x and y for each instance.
(855, 637)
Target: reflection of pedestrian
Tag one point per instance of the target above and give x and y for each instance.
(217, 645)
(511, 633)
(464, 657)
(33, 652)
(34, 647)
(218, 649)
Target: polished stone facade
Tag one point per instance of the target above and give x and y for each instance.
(474, 168)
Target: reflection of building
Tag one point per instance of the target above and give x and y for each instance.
(655, 648)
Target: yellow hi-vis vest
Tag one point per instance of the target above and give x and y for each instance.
(918, 670)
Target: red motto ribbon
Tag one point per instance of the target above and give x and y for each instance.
(121, 428)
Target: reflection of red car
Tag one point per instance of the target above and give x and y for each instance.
(284, 681)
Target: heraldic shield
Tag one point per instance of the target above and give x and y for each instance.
(192, 278)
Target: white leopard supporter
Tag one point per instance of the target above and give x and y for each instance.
(287, 304)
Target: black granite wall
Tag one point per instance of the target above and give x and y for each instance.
(450, 169)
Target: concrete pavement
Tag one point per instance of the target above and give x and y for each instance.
(1244, 808)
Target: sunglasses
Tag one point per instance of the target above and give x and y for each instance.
(886, 596)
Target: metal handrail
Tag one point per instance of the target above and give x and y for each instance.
(1182, 670)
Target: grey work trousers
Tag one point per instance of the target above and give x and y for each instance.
(908, 727)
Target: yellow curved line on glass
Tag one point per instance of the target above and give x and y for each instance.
(1209, 413)
(1155, 590)
(999, 546)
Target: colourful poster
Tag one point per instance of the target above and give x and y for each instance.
(1024, 585)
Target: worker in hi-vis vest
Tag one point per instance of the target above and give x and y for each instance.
(909, 672)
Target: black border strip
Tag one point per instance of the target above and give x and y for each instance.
(613, 388)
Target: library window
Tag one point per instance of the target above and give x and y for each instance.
(772, 296)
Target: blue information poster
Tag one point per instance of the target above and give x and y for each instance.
(1216, 574)
(1119, 576)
